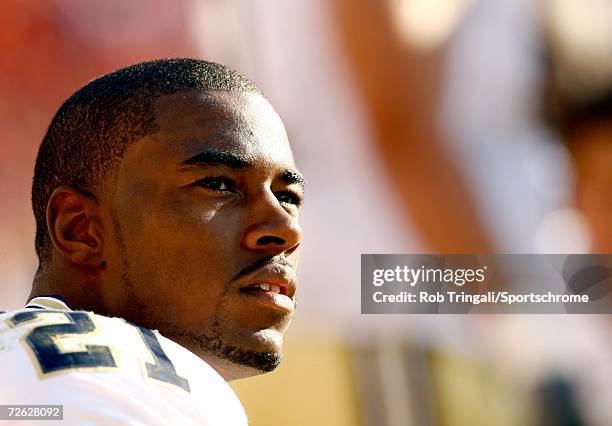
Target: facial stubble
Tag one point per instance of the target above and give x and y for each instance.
(200, 343)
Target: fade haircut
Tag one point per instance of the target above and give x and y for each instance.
(89, 134)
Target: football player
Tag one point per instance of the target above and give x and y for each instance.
(166, 201)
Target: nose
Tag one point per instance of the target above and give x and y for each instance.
(272, 230)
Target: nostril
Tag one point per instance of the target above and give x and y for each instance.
(269, 239)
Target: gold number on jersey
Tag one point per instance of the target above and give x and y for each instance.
(44, 342)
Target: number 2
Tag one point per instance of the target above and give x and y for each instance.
(43, 341)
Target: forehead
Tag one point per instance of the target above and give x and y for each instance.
(243, 123)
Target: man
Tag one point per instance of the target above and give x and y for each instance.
(165, 194)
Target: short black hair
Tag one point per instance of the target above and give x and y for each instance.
(89, 134)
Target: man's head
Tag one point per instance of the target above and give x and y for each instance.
(167, 194)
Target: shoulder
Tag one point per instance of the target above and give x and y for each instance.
(89, 359)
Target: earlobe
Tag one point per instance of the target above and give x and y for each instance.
(74, 227)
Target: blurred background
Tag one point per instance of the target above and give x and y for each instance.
(448, 126)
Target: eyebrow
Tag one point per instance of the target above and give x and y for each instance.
(215, 157)
(293, 177)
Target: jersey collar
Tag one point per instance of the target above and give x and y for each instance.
(48, 302)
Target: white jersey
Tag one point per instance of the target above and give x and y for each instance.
(105, 371)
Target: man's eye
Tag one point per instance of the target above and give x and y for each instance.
(287, 197)
(218, 184)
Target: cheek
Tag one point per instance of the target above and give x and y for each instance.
(180, 227)
(183, 256)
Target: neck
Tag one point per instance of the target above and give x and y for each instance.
(79, 292)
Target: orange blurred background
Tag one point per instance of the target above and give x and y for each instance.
(418, 126)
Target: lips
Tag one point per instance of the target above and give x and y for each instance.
(272, 285)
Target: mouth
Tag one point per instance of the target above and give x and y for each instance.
(265, 287)
(273, 286)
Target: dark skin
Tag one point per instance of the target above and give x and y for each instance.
(199, 213)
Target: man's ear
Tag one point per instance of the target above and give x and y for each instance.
(75, 228)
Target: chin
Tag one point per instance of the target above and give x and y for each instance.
(234, 363)
(255, 354)
(233, 355)
(267, 340)
(261, 350)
